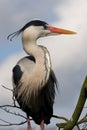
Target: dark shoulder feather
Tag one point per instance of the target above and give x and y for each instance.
(17, 74)
(31, 58)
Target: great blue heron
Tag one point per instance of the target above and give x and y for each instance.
(33, 78)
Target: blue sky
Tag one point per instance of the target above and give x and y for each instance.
(68, 53)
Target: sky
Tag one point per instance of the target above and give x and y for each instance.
(68, 52)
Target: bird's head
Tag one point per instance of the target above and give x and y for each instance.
(36, 29)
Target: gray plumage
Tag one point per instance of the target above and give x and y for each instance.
(36, 102)
(34, 81)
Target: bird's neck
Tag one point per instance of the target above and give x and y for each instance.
(42, 58)
(29, 48)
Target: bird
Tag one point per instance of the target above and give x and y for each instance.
(34, 81)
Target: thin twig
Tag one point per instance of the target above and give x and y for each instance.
(60, 117)
(7, 88)
(4, 121)
(11, 124)
(78, 127)
(83, 120)
(14, 99)
(10, 106)
(13, 113)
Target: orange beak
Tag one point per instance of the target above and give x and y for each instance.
(60, 31)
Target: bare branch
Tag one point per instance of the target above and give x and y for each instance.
(4, 107)
(6, 123)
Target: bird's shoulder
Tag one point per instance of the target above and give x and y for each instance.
(25, 64)
(31, 58)
(26, 59)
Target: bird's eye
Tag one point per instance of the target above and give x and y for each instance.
(45, 27)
